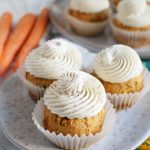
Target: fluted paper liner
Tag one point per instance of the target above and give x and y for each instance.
(134, 39)
(124, 101)
(36, 92)
(75, 142)
(86, 28)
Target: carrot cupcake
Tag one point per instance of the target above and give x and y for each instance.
(47, 63)
(120, 70)
(74, 108)
(131, 24)
(88, 17)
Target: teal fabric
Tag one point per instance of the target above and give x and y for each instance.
(146, 63)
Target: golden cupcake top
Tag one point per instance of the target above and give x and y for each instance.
(133, 13)
(89, 6)
(117, 64)
(53, 58)
(75, 95)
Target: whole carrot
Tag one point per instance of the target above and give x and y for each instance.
(5, 26)
(34, 38)
(15, 41)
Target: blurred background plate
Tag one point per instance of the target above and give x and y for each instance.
(95, 44)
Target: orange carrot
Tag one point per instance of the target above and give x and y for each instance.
(34, 38)
(5, 26)
(15, 41)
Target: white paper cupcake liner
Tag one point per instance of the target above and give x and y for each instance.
(124, 101)
(75, 142)
(134, 39)
(86, 28)
(36, 92)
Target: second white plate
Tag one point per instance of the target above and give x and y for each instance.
(95, 44)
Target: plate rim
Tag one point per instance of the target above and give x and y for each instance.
(4, 131)
(2, 127)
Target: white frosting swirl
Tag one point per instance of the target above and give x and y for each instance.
(53, 59)
(75, 95)
(89, 6)
(133, 13)
(117, 64)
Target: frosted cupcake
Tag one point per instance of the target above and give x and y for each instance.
(120, 70)
(131, 23)
(148, 2)
(88, 17)
(47, 63)
(74, 108)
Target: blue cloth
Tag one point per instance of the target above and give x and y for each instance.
(146, 63)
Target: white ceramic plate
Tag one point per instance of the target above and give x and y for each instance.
(131, 129)
(95, 44)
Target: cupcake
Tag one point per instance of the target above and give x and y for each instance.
(47, 63)
(88, 17)
(74, 104)
(74, 107)
(131, 24)
(120, 70)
